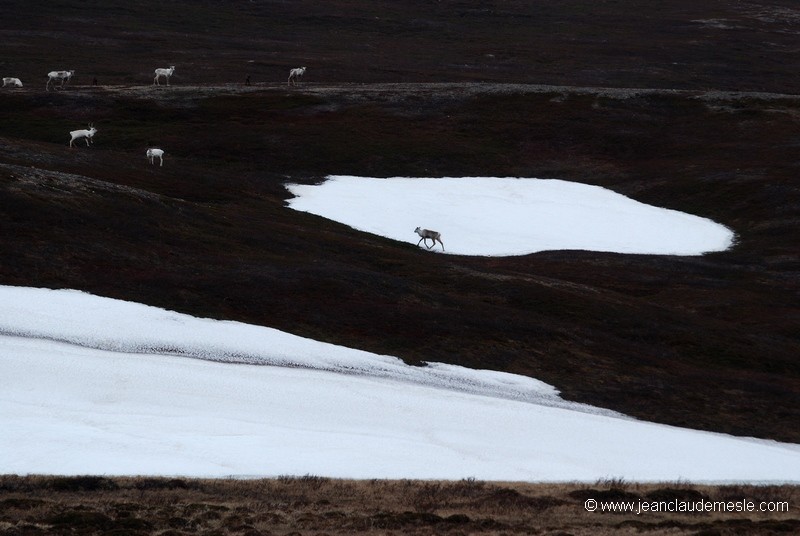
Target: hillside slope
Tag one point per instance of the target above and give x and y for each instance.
(708, 342)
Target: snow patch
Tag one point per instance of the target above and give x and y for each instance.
(497, 216)
(74, 399)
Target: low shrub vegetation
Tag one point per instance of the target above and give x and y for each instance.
(317, 505)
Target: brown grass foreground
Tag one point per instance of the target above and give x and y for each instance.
(316, 505)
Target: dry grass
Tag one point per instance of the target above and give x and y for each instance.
(315, 505)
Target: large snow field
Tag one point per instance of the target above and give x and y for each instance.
(509, 216)
(91, 385)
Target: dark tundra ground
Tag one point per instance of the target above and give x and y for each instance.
(688, 105)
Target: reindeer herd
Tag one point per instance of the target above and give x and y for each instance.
(152, 153)
(60, 79)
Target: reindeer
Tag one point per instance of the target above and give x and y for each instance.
(166, 73)
(294, 74)
(152, 153)
(83, 133)
(64, 76)
(13, 82)
(426, 235)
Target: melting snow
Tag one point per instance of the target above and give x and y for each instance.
(509, 216)
(91, 385)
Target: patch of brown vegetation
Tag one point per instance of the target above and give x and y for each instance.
(314, 505)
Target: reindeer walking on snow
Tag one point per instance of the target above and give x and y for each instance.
(426, 235)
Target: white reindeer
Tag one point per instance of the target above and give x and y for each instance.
(64, 76)
(294, 74)
(13, 82)
(166, 73)
(426, 235)
(83, 133)
(152, 153)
